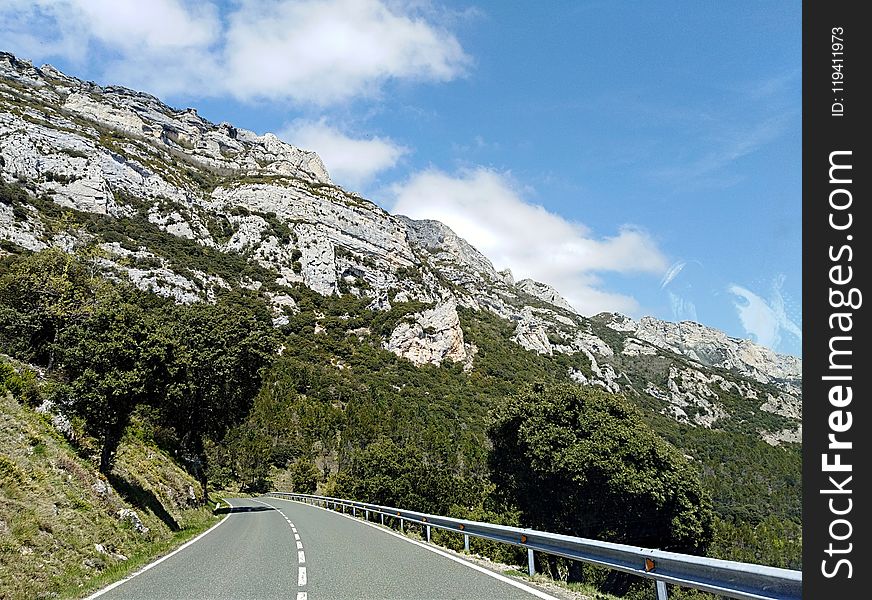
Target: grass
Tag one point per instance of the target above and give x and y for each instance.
(55, 508)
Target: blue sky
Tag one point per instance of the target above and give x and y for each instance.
(642, 157)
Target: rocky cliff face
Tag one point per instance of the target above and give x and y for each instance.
(147, 168)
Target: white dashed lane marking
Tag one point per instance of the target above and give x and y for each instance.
(302, 578)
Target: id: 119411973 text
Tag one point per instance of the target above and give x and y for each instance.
(838, 74)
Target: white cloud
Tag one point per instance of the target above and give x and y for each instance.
(70, 28)
(351, 162)
(325, 52)
(316, 52)
(156, 26)
(487, 209)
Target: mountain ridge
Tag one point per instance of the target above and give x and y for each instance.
(129, 157)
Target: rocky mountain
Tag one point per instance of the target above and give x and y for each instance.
(152, 190)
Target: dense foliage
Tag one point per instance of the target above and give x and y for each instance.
(40, 296)
(393, 475)
(581, 461)
(112, 367)
(197, 366)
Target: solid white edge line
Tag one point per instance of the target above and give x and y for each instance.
(431, 548)
(142, 570)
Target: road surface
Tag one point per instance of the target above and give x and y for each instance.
(270, 548)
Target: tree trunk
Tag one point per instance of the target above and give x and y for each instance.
(51, 352)
(203, 480)
(111, 441)
(200, 465)
(194, 457)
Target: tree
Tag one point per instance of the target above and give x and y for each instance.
(580, 461)
(249, 448)
(112, 371)
(217, 355)
(40, 295)
(402, 476)
(305, 476)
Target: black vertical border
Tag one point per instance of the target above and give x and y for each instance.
(822, 134)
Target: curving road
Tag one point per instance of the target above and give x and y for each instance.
(276, 549)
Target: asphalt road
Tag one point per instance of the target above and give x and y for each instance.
(254, 554)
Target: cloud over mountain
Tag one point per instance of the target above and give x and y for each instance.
(352, 161)
(488, 209)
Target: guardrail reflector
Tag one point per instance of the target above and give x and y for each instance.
(523, 539)
(649, 565)
(461, 527)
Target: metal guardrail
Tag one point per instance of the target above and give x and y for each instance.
(726, 578)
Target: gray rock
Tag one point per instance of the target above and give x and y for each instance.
(100, 488)
(545, 292)
(131, 517)
(430, 336)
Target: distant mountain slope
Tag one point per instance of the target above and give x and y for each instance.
(186, 208)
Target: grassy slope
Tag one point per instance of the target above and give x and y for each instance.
(55, 508)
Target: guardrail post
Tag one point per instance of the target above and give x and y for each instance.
(661, 590)
(382, 518)
(367, 515)
(354, 511)
(531, 566)
(401, 525)
(466, 542)
(428, 534)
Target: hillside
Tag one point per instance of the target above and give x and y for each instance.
(389, 328)
(185, 208)
(61, 522)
